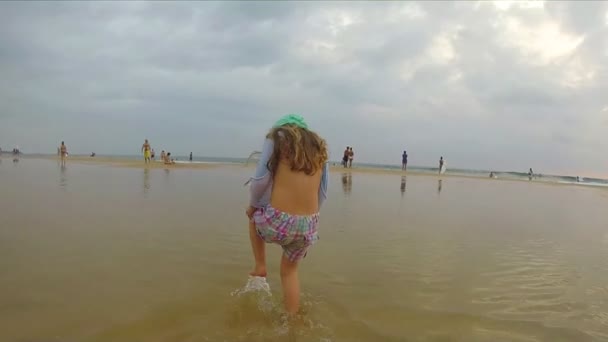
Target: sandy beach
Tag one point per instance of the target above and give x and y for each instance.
(130, 162)
(97, 251)
(337, 169)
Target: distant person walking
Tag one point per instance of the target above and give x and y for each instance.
(404, 161)
(441, 164)
(351, 156)
(345, 157)
(145, 148)
(64, 153)
(530, 174)
(190, 156)
(152, 154)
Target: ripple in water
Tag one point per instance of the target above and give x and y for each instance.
(257, 315)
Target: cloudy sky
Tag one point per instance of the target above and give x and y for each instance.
(492, 85)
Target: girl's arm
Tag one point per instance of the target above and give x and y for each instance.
(323, 185)
(261, 180)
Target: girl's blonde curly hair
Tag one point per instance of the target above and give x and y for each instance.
(304, 150)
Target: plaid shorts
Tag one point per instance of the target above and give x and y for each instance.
(294, 233)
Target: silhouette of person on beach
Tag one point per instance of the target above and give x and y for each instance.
(351, 156)
(168, 160)
(64, 153)
(345, 157)
(190, 156)
(145, 148)
(440, 164)
(404, 161)
(530, 174)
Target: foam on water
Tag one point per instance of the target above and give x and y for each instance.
(268, 321)
(254, 284)
(259, 289)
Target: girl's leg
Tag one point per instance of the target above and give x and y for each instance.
(259, 252)
(291, 285)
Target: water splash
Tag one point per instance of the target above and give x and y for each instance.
(254, 284)
(259, 316)
(256, 289)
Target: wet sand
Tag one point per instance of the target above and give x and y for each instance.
(97, 252)
(139, 164)
(128, 162)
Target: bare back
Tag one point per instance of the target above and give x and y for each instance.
(295, 192)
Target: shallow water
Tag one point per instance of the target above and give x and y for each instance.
(95, 253)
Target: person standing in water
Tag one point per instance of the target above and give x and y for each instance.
(286, 194)
(145, 148)
(190, 156)
(351, 156)
(440, 164)
(404, 161)
(64, 153)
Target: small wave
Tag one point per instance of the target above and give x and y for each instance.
(583, 183)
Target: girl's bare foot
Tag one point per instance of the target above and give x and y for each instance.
(258, 272)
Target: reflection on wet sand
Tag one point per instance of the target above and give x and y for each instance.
(146, 180)
(347, 182)
(63, 179)
(439, 186)
(403, 185)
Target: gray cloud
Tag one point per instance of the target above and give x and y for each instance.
(484, 85)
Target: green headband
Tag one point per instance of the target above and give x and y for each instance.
(291, 119)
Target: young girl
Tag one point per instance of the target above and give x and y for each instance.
(287, 191)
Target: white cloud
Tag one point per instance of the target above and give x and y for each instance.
(407, 11)
(541, 43)
(334, 21)
(441, 50)
(576, 73)
(319, 51)
(505, 5)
